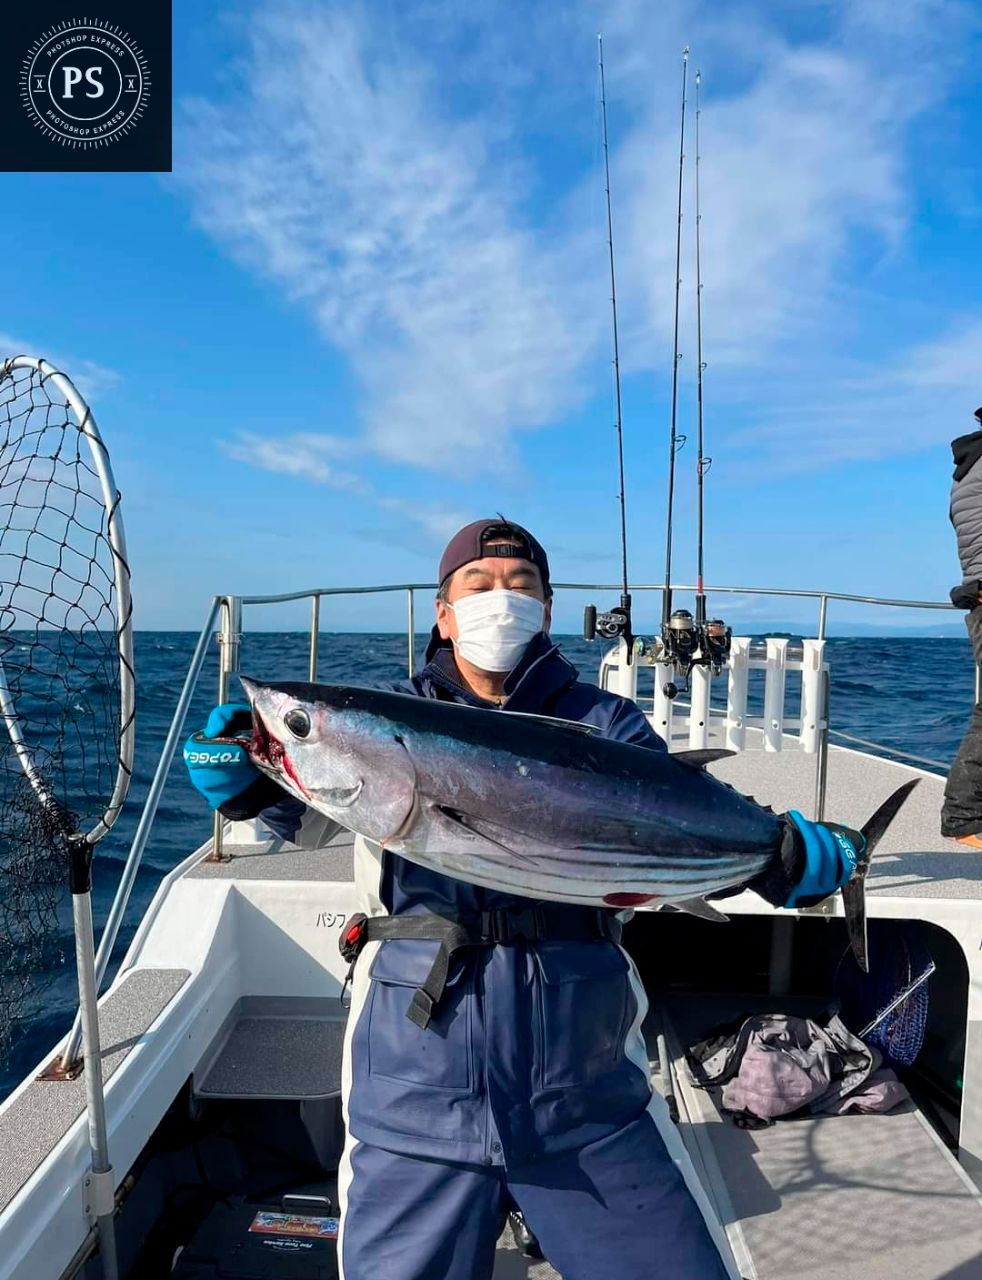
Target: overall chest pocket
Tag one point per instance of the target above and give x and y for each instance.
(442, 1056)
(585, 1007)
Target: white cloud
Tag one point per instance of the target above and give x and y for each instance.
(338, 174)
(344, 168)
(308, 456)
(439, 522)
(92, 380)
(805, 178)
(918, 398)
(951, 362)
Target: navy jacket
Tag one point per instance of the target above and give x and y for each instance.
(535, 1048)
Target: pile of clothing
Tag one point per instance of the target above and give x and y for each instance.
(773, 1065)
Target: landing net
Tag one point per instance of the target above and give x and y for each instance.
(66, 669)
(899, 964)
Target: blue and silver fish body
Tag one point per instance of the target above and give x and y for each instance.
(523, 804)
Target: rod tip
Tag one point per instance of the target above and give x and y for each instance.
(685, 53)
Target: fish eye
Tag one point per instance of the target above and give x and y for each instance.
(298, 722)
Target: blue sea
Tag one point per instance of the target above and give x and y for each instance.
(910, 695)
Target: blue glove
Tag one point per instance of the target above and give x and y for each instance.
(826, 857)
(221, 770)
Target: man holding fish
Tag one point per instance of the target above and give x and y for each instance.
(494, 1054)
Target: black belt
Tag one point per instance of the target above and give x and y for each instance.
(504, 927)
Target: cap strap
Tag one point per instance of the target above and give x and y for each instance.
(507, 551)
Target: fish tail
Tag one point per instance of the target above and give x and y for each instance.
(854, 890)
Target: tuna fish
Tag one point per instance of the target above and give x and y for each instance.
(526, 804)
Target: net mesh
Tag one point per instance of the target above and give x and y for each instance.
(60, 700)
(897, 957)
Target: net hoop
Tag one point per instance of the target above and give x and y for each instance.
(116, 538)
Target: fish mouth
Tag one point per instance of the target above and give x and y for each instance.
(261, 746)
(268, 752)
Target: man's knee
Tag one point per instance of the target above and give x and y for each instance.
(407, 1218)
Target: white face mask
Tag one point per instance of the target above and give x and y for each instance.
(495, 627)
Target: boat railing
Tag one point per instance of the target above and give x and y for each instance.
(224, 625)
(410, 590)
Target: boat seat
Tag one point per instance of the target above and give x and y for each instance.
(280, 1047)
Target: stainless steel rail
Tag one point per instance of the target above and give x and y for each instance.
(316, 594)
(893, 751)
(801, 594)
(142, 834)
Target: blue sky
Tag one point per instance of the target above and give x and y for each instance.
(371, 303)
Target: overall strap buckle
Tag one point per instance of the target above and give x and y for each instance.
(506, 927)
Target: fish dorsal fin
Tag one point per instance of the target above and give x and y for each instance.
(702, 756)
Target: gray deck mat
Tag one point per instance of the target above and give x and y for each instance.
(277, 1056)
(509, 1264)
(841, 1197)
(36, 1121)
(279, 860)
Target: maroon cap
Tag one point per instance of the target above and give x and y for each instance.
(471, 544)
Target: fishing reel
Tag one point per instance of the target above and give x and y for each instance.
(716, 643)
(688, 643)
(613, 625)
(680, 640)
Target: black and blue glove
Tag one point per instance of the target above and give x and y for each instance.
(219, 765)
(815, 859)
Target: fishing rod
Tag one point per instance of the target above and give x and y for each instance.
(702, 462)
(676, 441)
(693, 641)
(617, 622)
(714, 634)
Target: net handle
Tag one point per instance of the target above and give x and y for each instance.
(86, 426)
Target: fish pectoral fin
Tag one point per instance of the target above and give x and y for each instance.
(702, 756)
(474, 827)
(699, 907)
